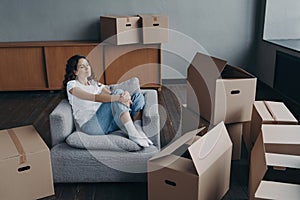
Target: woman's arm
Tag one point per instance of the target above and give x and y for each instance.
(104, 96)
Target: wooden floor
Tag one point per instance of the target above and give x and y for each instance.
(23, 108)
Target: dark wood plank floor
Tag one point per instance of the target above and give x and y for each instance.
(23, 108)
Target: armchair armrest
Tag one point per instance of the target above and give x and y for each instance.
(61, 122)
(150, 118)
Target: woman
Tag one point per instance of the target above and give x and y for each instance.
(96, 109)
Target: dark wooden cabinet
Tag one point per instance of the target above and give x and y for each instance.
(142, 61)
(41, 65)
(22, 68)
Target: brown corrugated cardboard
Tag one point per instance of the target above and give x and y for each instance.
(192, 121)
(246, 135)
(223, 92)
(277, 146)
(268, 112)
(235, 132)
(154, 28)
(119, 30)
(277, 190)
(25, 167)
(203, 175)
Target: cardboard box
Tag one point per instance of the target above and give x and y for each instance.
(235, 132)
(277, 146)
(154, 29)
(119, 30)
(247, 136)
(204, 174)
(191, 121)
(223, 92)
(25, 167)
(276, 190)
(268, 112)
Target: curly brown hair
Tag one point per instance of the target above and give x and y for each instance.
(71, 67)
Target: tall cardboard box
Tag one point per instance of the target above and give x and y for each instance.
(154, 29)
(223, 92)
(119, 30)
(268, 112)
(203, 175)
(25, 167)
(276, 147)
(235, 132)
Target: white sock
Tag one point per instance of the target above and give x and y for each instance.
(139, 128)
(134, 135)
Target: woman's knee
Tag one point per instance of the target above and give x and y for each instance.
(117, 91)
(138, 100)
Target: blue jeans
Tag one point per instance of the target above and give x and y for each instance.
(107, 118)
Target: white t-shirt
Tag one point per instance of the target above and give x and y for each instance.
(83, 110)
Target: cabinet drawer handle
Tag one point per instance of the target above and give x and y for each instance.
(128, 25)
(155, 24)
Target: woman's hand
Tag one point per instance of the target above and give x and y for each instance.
(125, 98)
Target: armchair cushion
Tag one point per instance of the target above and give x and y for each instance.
(131, 85)
(114, 142)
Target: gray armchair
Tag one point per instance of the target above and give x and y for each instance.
(70, 164)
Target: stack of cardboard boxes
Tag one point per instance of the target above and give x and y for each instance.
(275, 163)
(145, 29)
(219, 92)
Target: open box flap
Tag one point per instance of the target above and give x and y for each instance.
(206, 150)
(208, 66)
(277, 190)
(263, 111)
(279, 111)
(177, 143)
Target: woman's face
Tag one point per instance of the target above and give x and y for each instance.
(83, 69)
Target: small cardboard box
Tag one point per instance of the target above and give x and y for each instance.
(120, 30)
(154, 29)
(268, 112)
(223, 92)
(203, 175)
(25, 167)
(277, 146)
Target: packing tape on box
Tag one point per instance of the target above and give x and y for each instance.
(18, 145)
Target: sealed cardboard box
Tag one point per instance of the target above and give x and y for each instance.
(223, 92)
(154, 28)
(276, 148)
(204, 174)
(268, 112)
(25, 167)
(119, 30)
